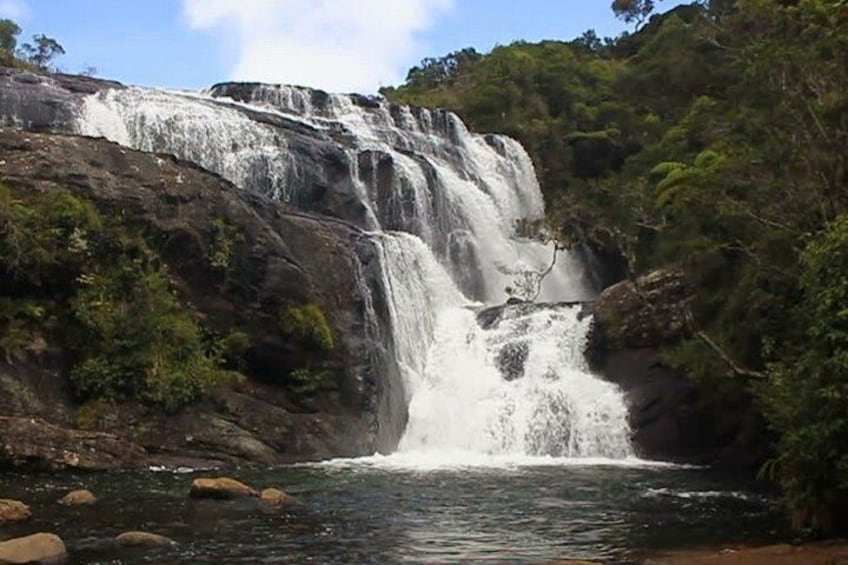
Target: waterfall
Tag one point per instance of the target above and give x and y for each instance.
(439, 204)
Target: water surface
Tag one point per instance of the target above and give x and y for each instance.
(376, 511)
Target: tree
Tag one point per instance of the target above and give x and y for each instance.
(9, 32)
(433, 72)
(633, 10)
(590, 41)
(41, 52)
(807, 396)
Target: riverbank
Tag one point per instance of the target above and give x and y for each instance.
(831, 552)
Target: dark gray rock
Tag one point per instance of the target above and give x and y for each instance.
(490, 317)
(512, 358)
(672, 417)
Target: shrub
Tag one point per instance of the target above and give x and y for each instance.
(308, 323)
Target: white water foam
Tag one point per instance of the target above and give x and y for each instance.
(697, 495)
(447, 460)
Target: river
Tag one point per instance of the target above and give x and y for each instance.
(392, 510)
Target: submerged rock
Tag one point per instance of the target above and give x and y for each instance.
(41, 549)
(13, 511)
(143, 539)
(220, 488)
(274, 498)
(78, 498)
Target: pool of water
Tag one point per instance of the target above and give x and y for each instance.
(387, 511)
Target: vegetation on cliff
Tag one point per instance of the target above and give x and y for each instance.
(67, 267)
(714, 139)
(94, 286)
(39, 54)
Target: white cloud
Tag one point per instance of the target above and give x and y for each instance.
(13, 9)
(337, 45)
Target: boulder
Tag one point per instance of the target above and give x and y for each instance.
(220, 488)
(78, 498)
(672, 418)
(649, 312)
(143, 539)
(42, 548)
(13, 511)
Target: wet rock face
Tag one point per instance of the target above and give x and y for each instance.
(671, 417)
(647, 313)
(287, 256)
(28, 101)
(512, 356)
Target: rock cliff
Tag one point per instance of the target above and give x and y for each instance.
(283, 255)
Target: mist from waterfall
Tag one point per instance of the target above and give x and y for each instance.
(440, 205)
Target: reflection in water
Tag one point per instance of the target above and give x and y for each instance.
(369, 514)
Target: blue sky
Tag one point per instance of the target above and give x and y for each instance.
(340, 45)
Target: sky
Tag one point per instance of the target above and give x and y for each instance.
(336, 45)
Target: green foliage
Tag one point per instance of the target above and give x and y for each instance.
(714, 139)
(224, 238)
(129, 337)
(18, 320)
(9, 32)
(231, 349)
(807, 392)
(147, 347)
(308, 381)
(308, 323)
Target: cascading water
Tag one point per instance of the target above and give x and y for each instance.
(439, 204)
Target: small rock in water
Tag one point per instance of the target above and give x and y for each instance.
(13, 511)
(42, 548)
(78, 498)
(143, 539)
(512, 359)
(221, 487)
(275, 497)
